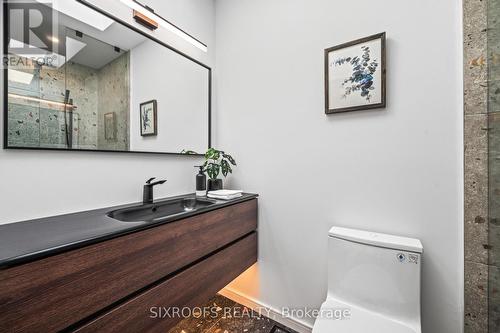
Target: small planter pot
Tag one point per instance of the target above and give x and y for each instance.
(214, 184)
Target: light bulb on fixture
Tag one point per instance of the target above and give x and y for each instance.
(53, 39)
(164, 23)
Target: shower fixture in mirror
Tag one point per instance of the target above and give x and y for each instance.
(77, 77)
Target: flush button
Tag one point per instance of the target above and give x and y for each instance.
(413, 258)
(401, 257)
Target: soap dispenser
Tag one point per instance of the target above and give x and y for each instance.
(201, 182)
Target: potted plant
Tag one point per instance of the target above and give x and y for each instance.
(217, 161)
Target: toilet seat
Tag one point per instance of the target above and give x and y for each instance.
(360, 321)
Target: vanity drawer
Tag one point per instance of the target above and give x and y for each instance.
(53, 293)
(190, 288)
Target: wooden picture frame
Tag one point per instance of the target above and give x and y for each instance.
(148, 118)
(355, 75)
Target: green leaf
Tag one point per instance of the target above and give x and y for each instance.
(230, 158)
(188, 152)
(225, 167)
(213, 170)
(212, 154)
(216, 171)
(209, 171)
(217, 161)
(216, 155)
(209, 153)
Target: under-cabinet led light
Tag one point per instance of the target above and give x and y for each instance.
(40, 100)
(164, 23)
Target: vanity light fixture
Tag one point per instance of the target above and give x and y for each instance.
(149, 16)
(145, 21)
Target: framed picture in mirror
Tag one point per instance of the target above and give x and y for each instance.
(148, 113)
(110, 126)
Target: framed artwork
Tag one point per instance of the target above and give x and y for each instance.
(355, 75)
(148, 114)
(110, 126)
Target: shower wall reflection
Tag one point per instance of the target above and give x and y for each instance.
(65, 107)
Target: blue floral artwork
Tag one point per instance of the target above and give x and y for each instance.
(355, 75)
(363, 69)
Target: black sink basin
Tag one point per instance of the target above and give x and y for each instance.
(159, 211)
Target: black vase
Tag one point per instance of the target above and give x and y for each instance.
(214, 184)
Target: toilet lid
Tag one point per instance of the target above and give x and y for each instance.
(337, 317)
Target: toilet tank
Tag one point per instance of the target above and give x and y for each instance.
(377, 272)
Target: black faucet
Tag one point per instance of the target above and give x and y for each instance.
(148, 190)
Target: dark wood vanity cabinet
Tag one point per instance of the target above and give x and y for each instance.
(111, 286)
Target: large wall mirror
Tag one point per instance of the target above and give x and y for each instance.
(79, 79)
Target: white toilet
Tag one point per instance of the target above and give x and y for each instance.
(373, 284)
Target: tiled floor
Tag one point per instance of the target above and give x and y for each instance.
(226, 316)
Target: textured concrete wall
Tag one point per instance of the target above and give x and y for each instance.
(33, 124)
(476, 226)
(494, 163)
(114, 97)
(82, 81)
(94, 93)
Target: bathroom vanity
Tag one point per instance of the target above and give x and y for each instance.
(90, 272)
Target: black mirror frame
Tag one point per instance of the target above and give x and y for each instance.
(6, 25)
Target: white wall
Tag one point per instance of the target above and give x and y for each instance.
(181, 92)
(37, 183)
(397, 170)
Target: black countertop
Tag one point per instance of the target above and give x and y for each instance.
(34, 239)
